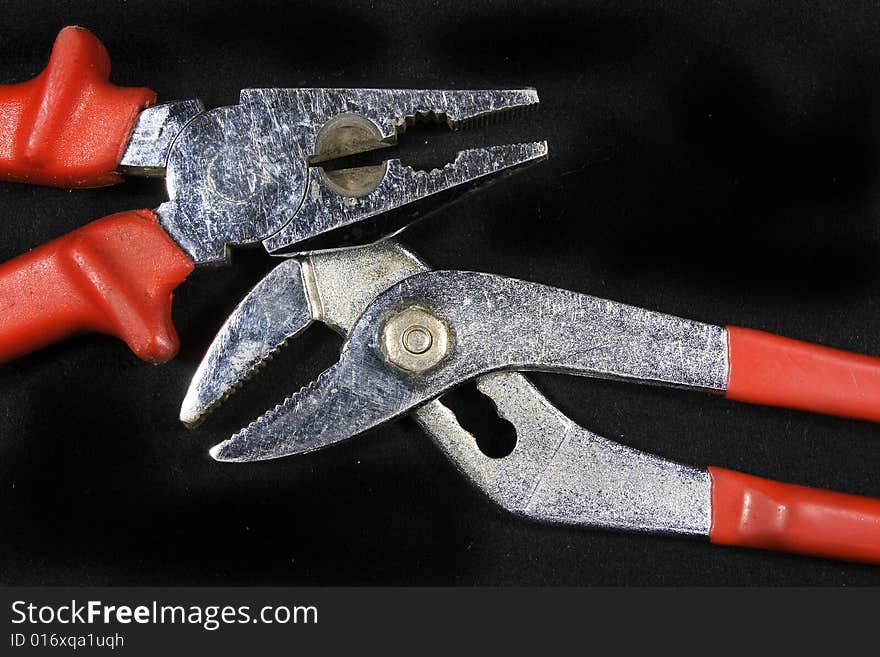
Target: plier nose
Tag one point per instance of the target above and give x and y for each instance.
(331, 287)
(345, 122)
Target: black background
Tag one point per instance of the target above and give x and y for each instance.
(717, 161)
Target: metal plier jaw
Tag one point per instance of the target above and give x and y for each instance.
(332, 287)
(435, 330)
(250, 173)
(414, 334)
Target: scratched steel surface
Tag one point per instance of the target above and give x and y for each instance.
(557, 472)
(494, 323)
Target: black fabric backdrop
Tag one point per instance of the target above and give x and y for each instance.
(717, 161)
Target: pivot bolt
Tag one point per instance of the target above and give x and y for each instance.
(415, 340)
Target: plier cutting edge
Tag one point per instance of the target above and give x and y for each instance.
(241, 175)
(414, 334)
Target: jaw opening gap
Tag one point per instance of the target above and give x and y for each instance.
(352, 154)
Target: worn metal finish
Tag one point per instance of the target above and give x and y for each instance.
(155, 131)
(240, 175)
(324, 209)
(561, 473)
(235, 176)
(332, 287)
(276, 310)
(496, 323)
(558, 472)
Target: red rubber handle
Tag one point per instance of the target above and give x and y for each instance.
(68, 127)
(114, 275)
(753, 512)
(775, 371)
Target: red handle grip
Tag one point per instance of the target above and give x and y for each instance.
(775, 371)
(114, 275)
(68, 127)
(753, 512)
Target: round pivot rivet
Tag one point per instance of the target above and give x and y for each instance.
(415, 340)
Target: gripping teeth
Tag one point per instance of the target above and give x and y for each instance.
(236, 385)
(490, 158)
(324, 210)
(275, 311)
(291, 426)
(484, 109)
(482, 161)
(289, 402)
(470, 104)
(357, 393)
(349, 193)
(492, 117)
(424, 117)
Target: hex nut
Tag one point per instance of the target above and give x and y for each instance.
(415, 340)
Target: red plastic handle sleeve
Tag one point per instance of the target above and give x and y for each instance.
(68, 127)
(114, 275)
(753, 512)
(775, 371)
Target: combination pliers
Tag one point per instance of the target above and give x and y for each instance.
(252, 173)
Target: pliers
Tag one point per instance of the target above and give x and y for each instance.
(413, 334)
(247, 174)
